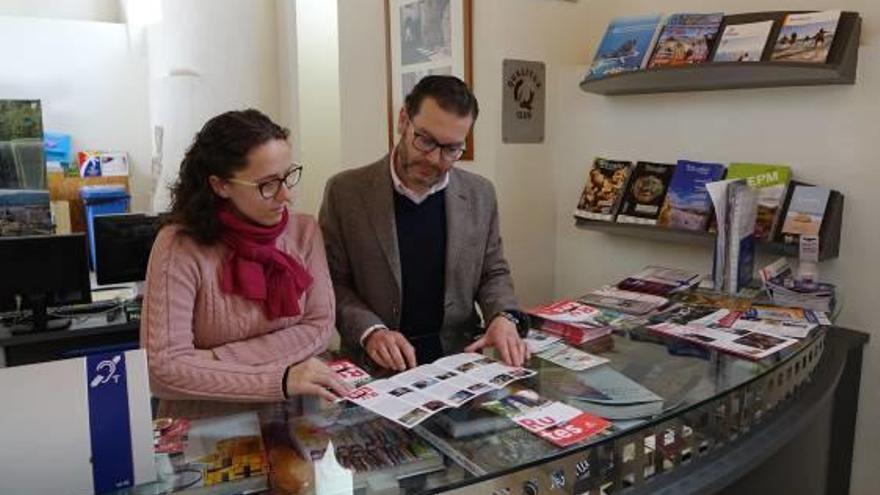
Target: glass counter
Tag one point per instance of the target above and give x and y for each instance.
(710, 400)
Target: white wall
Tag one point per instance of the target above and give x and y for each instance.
(535, 30)
(84, 10)
(207, 57)
(828, 135)
(362, 75)
(90, 84)
(318, 99)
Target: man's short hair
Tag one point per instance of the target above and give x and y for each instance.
(450, 93)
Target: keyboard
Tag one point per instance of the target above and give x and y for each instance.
(89, 308)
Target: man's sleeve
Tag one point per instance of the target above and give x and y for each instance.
(495, 292)
(353, 316)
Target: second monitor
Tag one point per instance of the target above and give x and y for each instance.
(122, 246)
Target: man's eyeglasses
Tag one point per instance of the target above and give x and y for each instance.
(427, 144)
(269, 188)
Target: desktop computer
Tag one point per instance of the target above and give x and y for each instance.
(43, 271)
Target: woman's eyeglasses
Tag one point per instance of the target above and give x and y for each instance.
(269, 188)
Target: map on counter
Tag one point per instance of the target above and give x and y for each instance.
(412, 396)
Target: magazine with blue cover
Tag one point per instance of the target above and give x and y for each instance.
(688, 205)
(626, 45)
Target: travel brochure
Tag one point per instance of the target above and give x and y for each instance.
(412, 396)
(645, 193)
(806, 37)
(571, 358)
(660, 281)
(604, 189)
(626, 45)
(556, 422)
(624, 301)
(686, 39)
(743, 42)
(805, 211)
(771, 181)
(735, 205)
(687, 205)
(748, 344)
(639, 42)
(677, 196)
(785, 289)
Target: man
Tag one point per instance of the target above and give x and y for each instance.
(412, 243)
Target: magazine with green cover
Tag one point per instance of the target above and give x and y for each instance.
(772, 183)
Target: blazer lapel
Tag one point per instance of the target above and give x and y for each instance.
(458, 218)
(379, 200)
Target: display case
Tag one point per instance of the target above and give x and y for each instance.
(724, 420)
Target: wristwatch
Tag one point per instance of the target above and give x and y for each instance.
(518, 318)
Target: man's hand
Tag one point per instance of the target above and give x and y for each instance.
(313, 377)
(390, 350)
(502, 335)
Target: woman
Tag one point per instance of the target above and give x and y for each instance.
(238, 297)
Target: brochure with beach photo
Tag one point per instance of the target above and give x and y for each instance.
(743, 42)
(806, 37)
(626, 45)
(412, 396)
(806, 211)
(686, 39)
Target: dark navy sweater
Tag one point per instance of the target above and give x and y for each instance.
(421, 240)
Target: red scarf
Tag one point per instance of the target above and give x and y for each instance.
(259, 271)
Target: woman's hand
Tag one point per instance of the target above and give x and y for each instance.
(313, 377)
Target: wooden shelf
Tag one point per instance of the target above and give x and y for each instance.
(829, 237)
(840, 68)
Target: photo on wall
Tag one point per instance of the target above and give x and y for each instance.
(25, 212)
(425, 37)
(425, 32)
(22, 161)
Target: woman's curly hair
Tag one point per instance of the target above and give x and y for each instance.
(220, 149)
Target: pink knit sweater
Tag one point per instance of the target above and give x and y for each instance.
(202, 343)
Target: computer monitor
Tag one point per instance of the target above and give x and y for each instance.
(43, 271)
(122, 246)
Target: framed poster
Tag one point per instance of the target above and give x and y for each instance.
(426, 37)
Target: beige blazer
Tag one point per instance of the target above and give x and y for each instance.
(358, 223)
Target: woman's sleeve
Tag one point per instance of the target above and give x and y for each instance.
(311, 334)
(177, 369)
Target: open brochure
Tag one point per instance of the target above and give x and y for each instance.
(793, 323)
(745, 343)
(412, 396)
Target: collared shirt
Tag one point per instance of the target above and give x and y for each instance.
(409, 193)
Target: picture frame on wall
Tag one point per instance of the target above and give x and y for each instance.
(426, 37)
